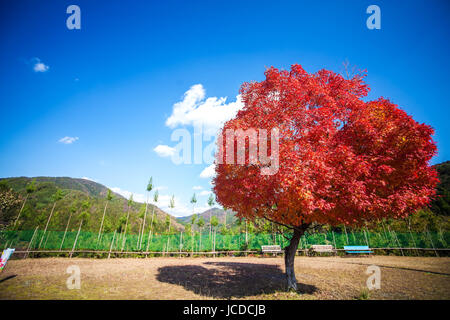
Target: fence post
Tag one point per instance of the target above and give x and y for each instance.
(112, 242)
(31, 241)
(368, 236)
(442, 237)
(45, 230)
(414, 242)
(334, 240)
(181, 241)
(65, 232)
(101, 225)
(429, 236)
(365, 236)
(394, 237)
(76, 239)
(346, 235)
(214, 248)
(46, 239)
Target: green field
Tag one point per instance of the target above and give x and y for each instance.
(53, 240)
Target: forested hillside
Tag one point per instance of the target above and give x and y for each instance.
(223, 217)
(75, 199)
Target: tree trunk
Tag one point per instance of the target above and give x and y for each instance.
(246, 239)
(48, 221)
(289, 256)
(124, 238)
(225, 219)
(101, 225)
(143, 223)
(65, 232)
(151, 228)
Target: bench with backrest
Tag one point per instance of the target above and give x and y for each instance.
(320, 248)
(357, 249)
(271, 249)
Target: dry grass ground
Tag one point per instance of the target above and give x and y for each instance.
(224, 278)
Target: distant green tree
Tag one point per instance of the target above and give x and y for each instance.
(200, 224)
(168, 224)
(58, 195)
(129, 205)
(193, 219)
(149, 189)
(214, 223)
(86, 206)
(109, 197)
(171, 206)
(187, 229)
(210, 204)
(30, 188)
(225, 217)
(9, 202)
(84, 217)
(155, 200)
(72, 210)
(193, 201)
(224, 231)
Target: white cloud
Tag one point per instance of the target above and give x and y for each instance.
(205, 193)
(161, 188)
(208, 172)
(137, 197)
(211, 113)
(87, 178)
(197, 187)
(164, 150)
(181, 209)
(39, 66)
(68, 140)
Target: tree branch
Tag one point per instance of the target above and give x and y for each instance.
(279, 223)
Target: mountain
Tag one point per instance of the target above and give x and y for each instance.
(89, 187)
(75, 193)
(219, 213)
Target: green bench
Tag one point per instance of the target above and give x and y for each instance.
(357, 249)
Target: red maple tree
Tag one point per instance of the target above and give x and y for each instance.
(342, 160)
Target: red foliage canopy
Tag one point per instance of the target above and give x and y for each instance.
(341, 159)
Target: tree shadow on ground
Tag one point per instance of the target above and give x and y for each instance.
(228, 279)
(401, 268)
(8, 277)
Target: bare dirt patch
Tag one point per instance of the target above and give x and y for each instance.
(225, 278)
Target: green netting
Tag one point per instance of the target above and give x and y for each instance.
(53, 240)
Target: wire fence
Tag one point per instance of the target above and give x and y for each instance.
(60, 240)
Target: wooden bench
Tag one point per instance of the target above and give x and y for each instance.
(357, 249)
(320, 248)
(271, 249)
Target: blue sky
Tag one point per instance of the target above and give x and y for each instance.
(112, 85)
